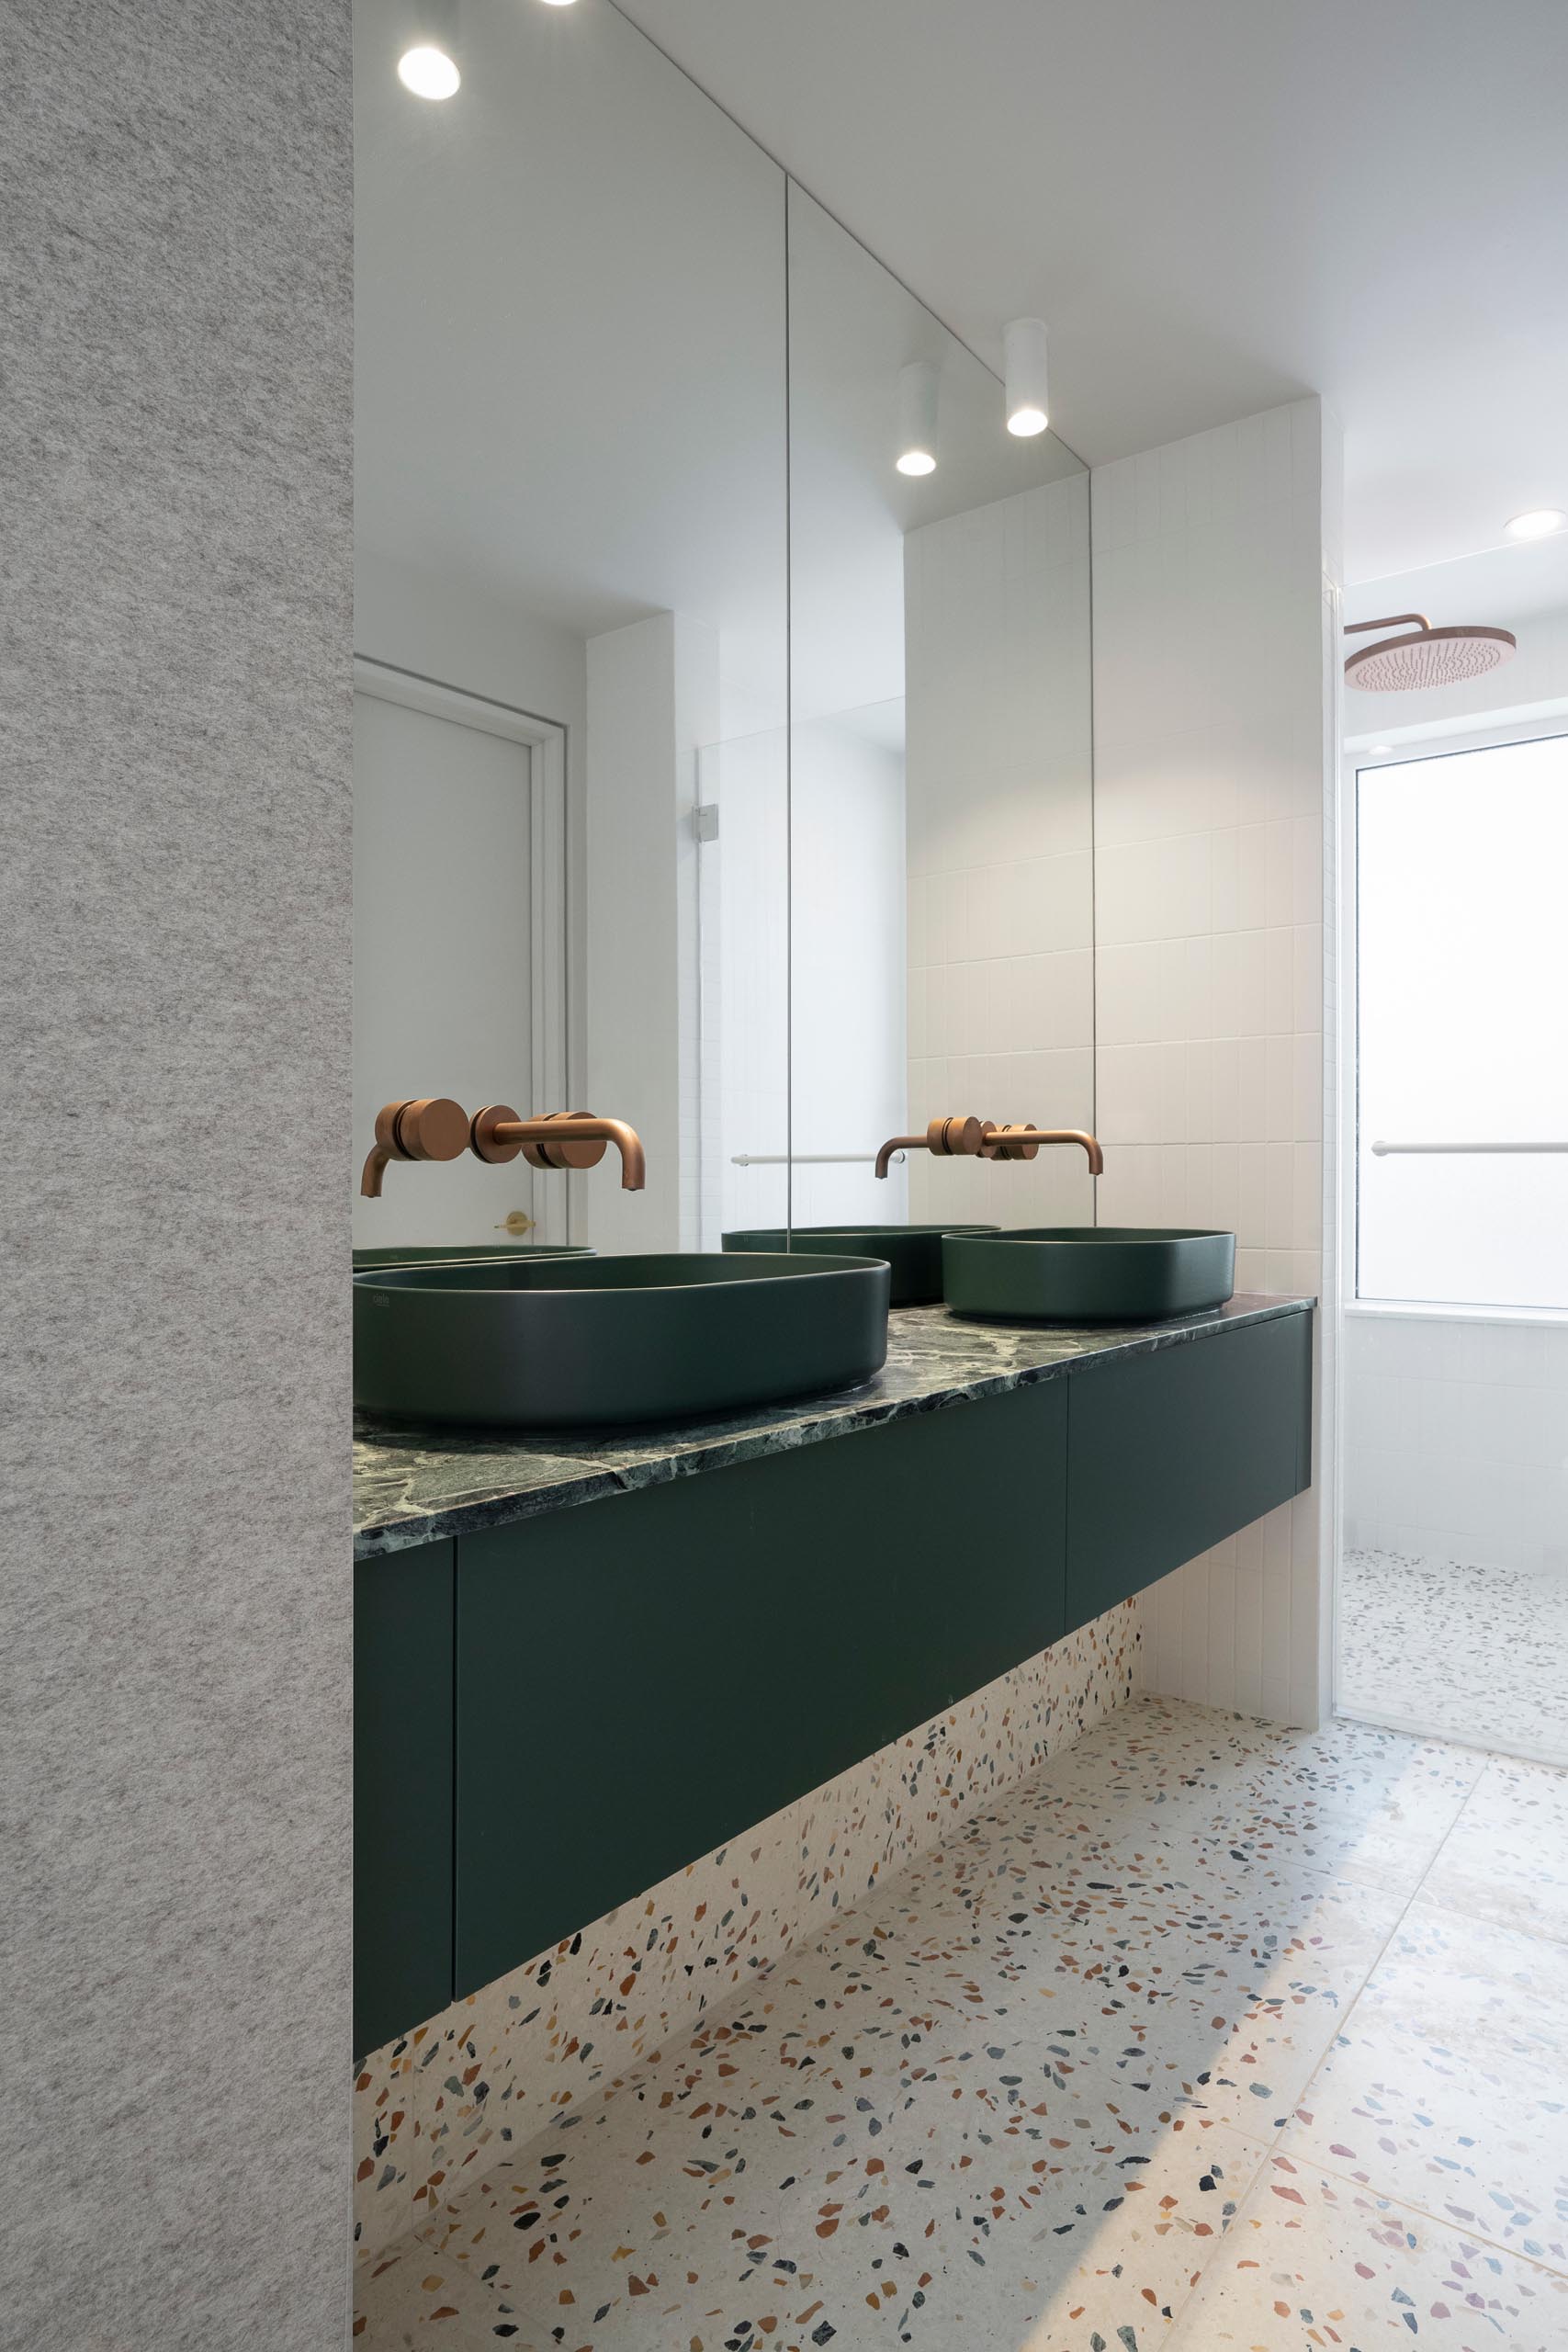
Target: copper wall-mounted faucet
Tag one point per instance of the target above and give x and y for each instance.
(559, 1140)
(983, 1139)
(435, 1127)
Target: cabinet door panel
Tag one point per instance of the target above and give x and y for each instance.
(1170, 1452)
(644, 1678)
(402, 1792)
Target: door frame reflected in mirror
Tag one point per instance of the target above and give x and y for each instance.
(558, 1210)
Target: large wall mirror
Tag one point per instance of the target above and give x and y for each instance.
(940, 775)
(711, 773)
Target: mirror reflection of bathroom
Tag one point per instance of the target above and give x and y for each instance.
(764, 835)
(569, 620)
(1453, 1588)
(940, 779)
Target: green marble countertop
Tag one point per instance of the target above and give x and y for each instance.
(417, 1485)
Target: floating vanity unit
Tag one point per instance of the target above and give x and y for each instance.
(584, 1660)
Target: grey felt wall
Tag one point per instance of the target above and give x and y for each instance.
(174, 569)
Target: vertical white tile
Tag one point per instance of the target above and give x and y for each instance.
(1211, 1049)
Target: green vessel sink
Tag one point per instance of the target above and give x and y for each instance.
(1105, 1274)
(467, 1253)
(912, 1252)
(592, 1342)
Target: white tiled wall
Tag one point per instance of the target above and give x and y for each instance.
(744, 1010)
(846, 976)
(802, 940)
(652, 699)
(1456, 1440)
(1216, 627)
(999, 817)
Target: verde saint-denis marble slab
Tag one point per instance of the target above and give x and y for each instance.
(412, 1486)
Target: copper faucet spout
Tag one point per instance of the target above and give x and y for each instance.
(1021, 1143)
(897, 1143)
(375, 1167)
(559, 1140)
(568, 1127)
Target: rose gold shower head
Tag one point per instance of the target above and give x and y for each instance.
(1427, 657)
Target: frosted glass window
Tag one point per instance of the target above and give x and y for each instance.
(1462, 1017)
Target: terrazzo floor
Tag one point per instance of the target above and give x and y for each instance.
(1465, 1653)
(1209, 2035)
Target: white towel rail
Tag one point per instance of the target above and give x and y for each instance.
(1384, 1150)
(807, 1159)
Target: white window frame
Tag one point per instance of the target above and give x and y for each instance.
(1396, 749)
(559, 1206)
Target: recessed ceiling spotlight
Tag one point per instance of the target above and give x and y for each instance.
(1538, 524)
(1023, 349)
(1379, 749)
(916, 418)
(557, 3)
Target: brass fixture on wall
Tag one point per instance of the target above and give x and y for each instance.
(559, 1140)
(1023, 1142)
(1426, 656)
(431, 1127)
(970, 1139)
(435, 1127)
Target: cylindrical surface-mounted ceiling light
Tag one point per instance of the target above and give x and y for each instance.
(916, 418)
(427, 63)
(1023, 349)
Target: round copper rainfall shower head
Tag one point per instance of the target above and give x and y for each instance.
(1426, 657)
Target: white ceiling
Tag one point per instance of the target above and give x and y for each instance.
(1501, 587)
(1217, 205)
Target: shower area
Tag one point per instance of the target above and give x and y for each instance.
(1452, 1615)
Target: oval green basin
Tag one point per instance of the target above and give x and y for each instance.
(912, 1252)
(1105, 1274)
(594, 1343)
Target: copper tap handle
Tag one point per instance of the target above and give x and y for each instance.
(428, 1126)
(956, 1137)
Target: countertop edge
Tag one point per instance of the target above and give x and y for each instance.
(410, 1531)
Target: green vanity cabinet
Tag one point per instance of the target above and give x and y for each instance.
(641, 1678)
(402, 1790)
(1170, 1452)
(553, 1714)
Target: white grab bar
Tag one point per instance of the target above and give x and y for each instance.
(807, 1159)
